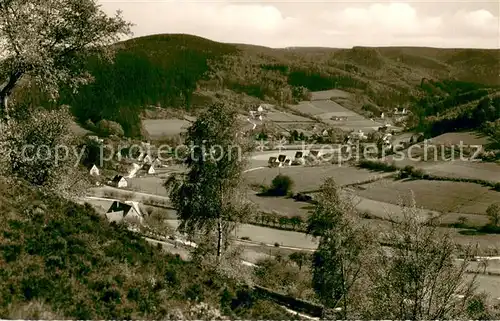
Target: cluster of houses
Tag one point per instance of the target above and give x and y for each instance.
(300, 159)
(144, 162)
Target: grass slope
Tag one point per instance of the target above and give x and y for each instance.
(61, 260)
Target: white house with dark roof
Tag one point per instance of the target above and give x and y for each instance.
(150, 169)
(94, 171)
(273, 161)
(127, 211)
(119, 181)
(148, 159)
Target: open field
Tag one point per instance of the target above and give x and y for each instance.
(311, 178)
(326, 109)
(441, 196)
(150, 185)
(164, 127)
(289, 207)
(78, 130)
(464, 169)
(467, 138)
(281, 116)
(327, 94)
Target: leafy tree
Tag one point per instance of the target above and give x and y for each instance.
(296, 221)
(107, 128)
(207, 198)
(418, 277)
(493, 212)
(339, 260)
(284, 221)
(281, 185)
(300, 258)
(39, 149)
(47, 42)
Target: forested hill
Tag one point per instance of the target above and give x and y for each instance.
(171, 70)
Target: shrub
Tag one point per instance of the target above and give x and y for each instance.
(108, 128)
(280, 186)
(377, 165)
(493, 212)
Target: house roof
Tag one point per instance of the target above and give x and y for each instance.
(281, 158)
(314, 153)
(272, 159)
(125, 207)
(117, 178)
(298, 154)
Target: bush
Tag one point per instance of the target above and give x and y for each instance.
(66, 256)
(377, 165)
(108, 128)
(280, 186)
(33, 147)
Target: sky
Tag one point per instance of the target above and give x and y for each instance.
(327, 23)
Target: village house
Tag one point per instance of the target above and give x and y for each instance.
(150, 169)
(148, 159)
(273, 162)
(94, 171)
(298, 159)
(119, 181)
(157, 162)
(314, 154)
(127, 211)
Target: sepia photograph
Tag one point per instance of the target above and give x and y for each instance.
(249, 160)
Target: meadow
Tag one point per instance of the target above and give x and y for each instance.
(440, 196)
(310, 178)
(158, 128)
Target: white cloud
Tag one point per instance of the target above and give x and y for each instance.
(329, 25)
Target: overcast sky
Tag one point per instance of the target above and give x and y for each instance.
(328, 23)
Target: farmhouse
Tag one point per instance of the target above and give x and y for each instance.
(150, 169)
(119, 181)
(157, 162)
(299, 159)
(273, 162)
(94, 171)
(127, 211)
(314, 154)
(148, 159)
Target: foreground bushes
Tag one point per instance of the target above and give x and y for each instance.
(79, 266)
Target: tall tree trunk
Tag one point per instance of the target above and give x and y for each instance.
(5, 93)
(219, 239)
